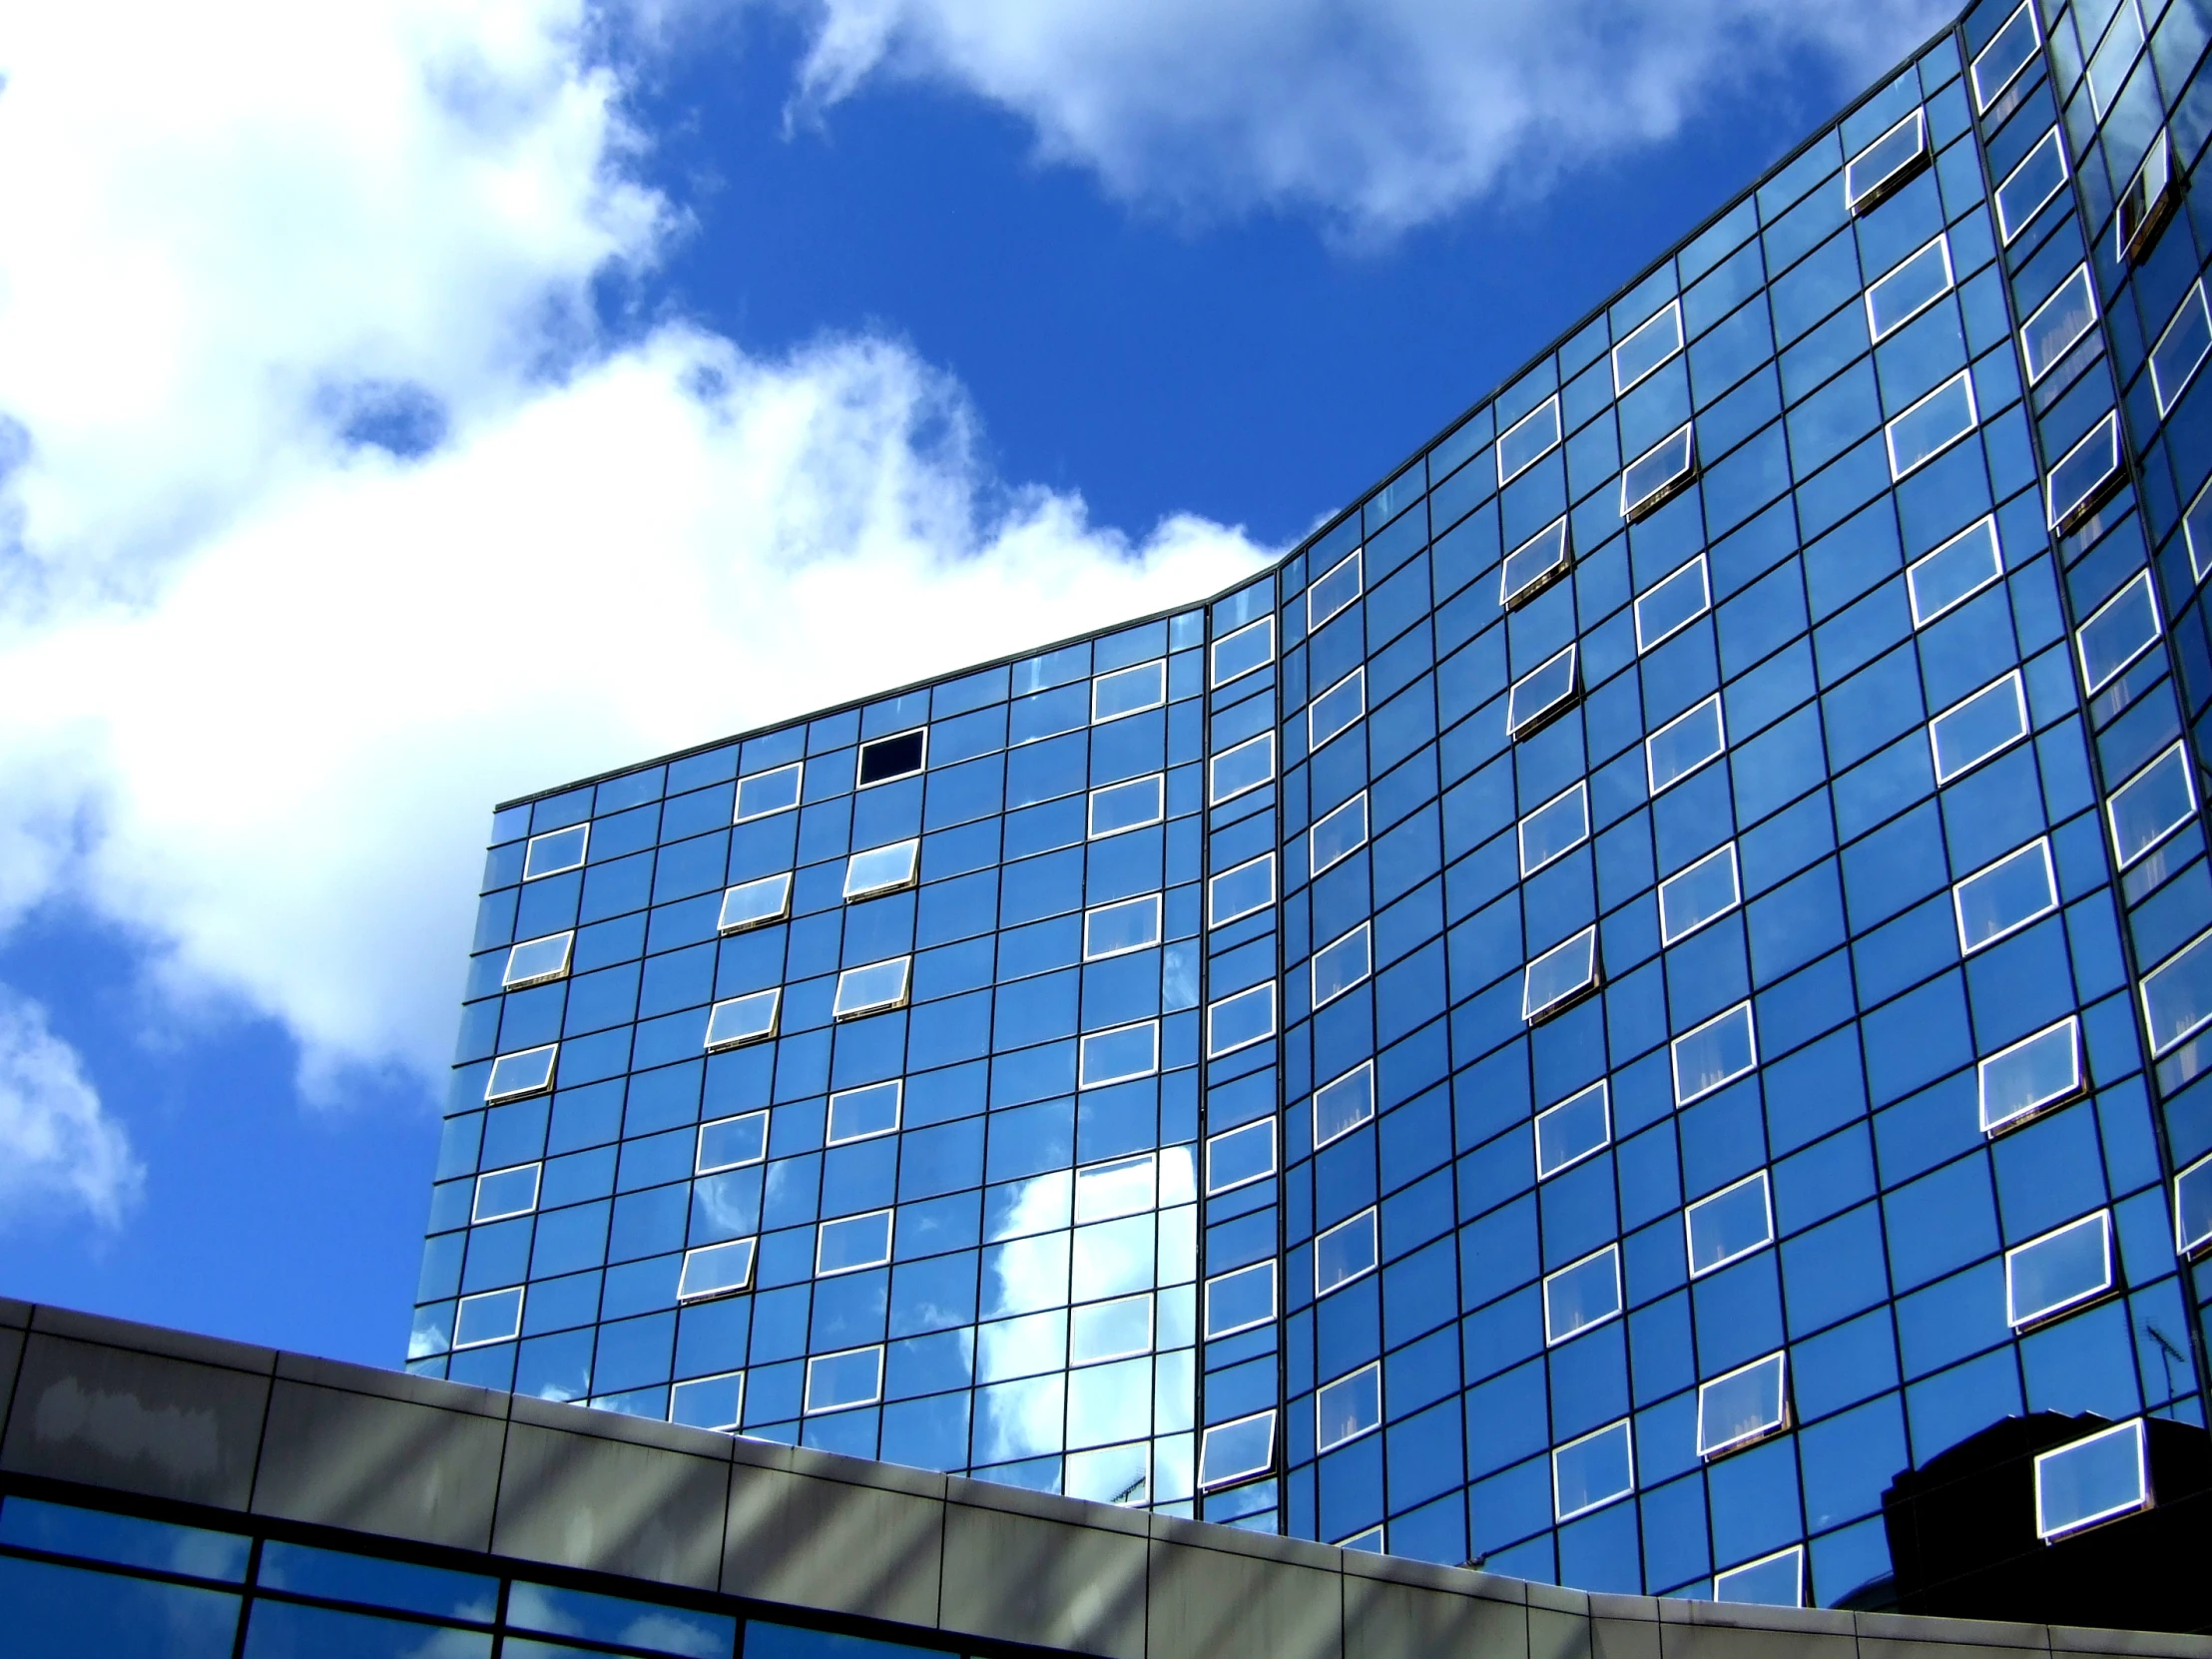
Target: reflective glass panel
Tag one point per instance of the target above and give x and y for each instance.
(1582, 1293)
(1237, 1157)
(1332, 590)
(2152, 805)
(1337, 708)
(1930, 427)
(1673, 605)
(1342, 1106)
(2082, 476)
(1340, 834)
(2147, 202)
(555, 852)
(1697, 896)
(2114, 56)
(2058, 322)
(1659, 473)
(1113, 930)
(1733, 1223)
(715, 1270)
(709, 1402)
(769, 791)
(1110, 1330)
(1241, 1300)
(2041, 176)
(2093, 1480)
(1570, 1131)
(1723, 1049)
(1348, 1407)
(1246, 766)
(2001, 897)
(1345, 1253)
(1234, 1451)
(530, 1071)
(1239, 653)
(1559, 975)
(2181, 348)
(2177, 995)
(852, 1242)
(1593, 1471)
(872, 989)
(1886, 163)
(1559, 825)
(1647, 346)
(1528, 441)
(1237, 1021)
(881, 870)
(728, 1143)
(2066, 1266)
(883, 759)
(836, 1381)
(742, 1019)
(1128, 805)
(2193, 1208)
(1125, 1051)
(1746, 1404)
(1129, 690)
(860, 1114)
(1534, 565)
(535, 961)
(2017, 1082)
(2010, 51)
(755, 904)
(1239, 892)
(1916, 284)
(1970, 730)
(1120, 1187)
(494, 1317)
(1340, 967)
(505, 1192)
(1776, 1580)
(1541, 693)
(1684, 744)
(1956, 570)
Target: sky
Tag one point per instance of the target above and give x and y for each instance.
(413, 404)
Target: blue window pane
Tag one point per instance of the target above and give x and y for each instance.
(1557, 827)
(1956, 570)
(1969, 732)
(1345, 1253)
(2181, 348)
(2085, 475)
(2034, 1073)
(1730, 1224)
(2061, 1268)
(2152, 805)
(2090, 1480)
(1684, 745)
(1582, 1295)
(1540, 694)
(1931, 425)
(1535, 564)
(1909, 289)
(1348, 1407)
(2004, 897)
(2023, 191)
(1747, 1404)
(2121, 630)
(1332, 590)
(1591, 1473)
(58, 1612)
(1237, 1301)
(1339, 834)
(1721, 1049)
(1776, 1580)
(1528, 441)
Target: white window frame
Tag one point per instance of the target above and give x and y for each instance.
(2007, 231)
(2034, 1318)
(675, 1392)
(1628, 1446)
(1314, 869)
(1985, 97)
(2079, 278)
(1365, 935)
(1213, 656)
(1127, 786)
(1659, 494)
(1652, 786)
(2162, 1045)
(1364, 1218)
(1584, 943)
(2133, 1428)
(1217, 917)
(809, 1408)
(1143, 901)
(1995, 1126)
(1363, 1068)
(898, 1086)
(1860, 202)
(2147, 202)
(725, 925)
(2125, 9)
(2107, 432)
(1689, 1231)
(1317, 619)
(1876, 333)
(1159, 669)
(2176, 753)
(911, 846)
(1322, 1440)
(1084, 1079)
(1549, 405)
(1265, 988)
(510, 981)
(1106, 1356)
(1244, 1472)
(2040, 846)
(2165, 400)
(745, 1251)
(737, 813)
(1559, 534)
(2026, 730)
(2190, 1247)
(1611, 1255)
(1671, 310)
(1674, 1052)
(530, 852)
(889, 1217)
(1213, 795)
(1668, 934)
(538, 1080)
(1606, 1112)
(1965, 378)
(1258, 1127)
(516, 1292)
(1988, 523)
(1254, 1270)
(1315, 737)
(1779, 1363)
(1705, 604)
(775, 997)
(1794, 1555)
(1578, 789)
(700, 1166)
(478, 1216)
(840, 1011)
(1530, 723)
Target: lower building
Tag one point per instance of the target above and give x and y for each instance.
(171, 1496)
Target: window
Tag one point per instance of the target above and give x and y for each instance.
(493, 1317)
(1110, 1330)
(534, 961)
(1909, 290)
(2122, 629)
(1238, 1157)
(1555, 828)
(2193, 1208)
(501, 1193)
(1572, 1131)
(2064, 1268)
(1339, 834)
(1730, 1224)
(716, 1403)
(863, 1113)
(872, 989)
(1745, 1406)
(1332, 590)
(1336, 709)
(1345, 1253)
(1342, 1106)
(1241, 1020)
(1954, 572)
(2057, 323)
(1927, 428)
(836, 1381)
(1561, 975)
(1370, 1541)
(1242, 651)
(1659, 474)
(1581, 1294)
(1530, 438)
(2181, 348)
(2010, 51)
(1235, 772)
(1540, 694)
(1977, 727)
(769, 791)
(1119, 1187)
(526, 1071)
(1348, 1407)
(1647, 346)
(1125, 1051)
(1129, 690)
(1591, 1473)
(1879, 170)
(2096, 1478)
(2041, 176)
(881, 870)
(1128, 805)
(755, 904)
(2018, 1082)
(2109, 64)
(2083, 477)
(1673, 605)
(1231, 1451)
(1240, 891)
(1117, 929)
(1717, 1052)
(2196, 527)
(2177, 995)
(732, 1143)
(852, 1243)
(555, 851)
(2005, 897)
(742, 1019)
(1239, 1301)
(895, 757)
(1534, 565)
(1776, 1580)
(1339, 966)
(715, 1270)
(1695, 897)
(2147, 203)
(2151, 805)
(1685, 744)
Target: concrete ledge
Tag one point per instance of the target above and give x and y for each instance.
(384, 1457)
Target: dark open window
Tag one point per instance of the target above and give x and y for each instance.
(889, 757)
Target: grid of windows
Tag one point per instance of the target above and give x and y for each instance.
(1655, 975)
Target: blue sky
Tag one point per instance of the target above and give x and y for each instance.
(509, 390)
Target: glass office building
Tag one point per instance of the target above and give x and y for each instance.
(1647, 979)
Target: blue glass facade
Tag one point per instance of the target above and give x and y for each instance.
(1648, 978)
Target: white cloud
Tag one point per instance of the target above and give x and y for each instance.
(57, 1145)
(1382, 115)
(266, 682)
